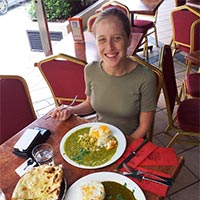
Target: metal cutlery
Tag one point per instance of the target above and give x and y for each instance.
(30, 161)
(141, 177)
(127, 159)
(62, 107)
(151, 177)
(138, 172)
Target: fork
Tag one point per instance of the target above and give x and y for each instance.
(62, 107)
(138, 172)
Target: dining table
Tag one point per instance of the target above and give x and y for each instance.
(9, 161)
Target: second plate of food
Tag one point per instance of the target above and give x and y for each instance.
(93, 145)
(115, 186)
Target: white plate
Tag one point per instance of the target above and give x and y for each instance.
(116, 133)
(72, 192)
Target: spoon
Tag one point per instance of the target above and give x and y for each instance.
(29, 162)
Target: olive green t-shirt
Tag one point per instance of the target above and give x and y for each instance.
(119, 100)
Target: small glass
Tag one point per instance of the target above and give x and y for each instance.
(43, 154)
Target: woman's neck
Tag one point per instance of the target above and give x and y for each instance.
(122, 69)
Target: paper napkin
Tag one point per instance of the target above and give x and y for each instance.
(146, 150)
(161, 157)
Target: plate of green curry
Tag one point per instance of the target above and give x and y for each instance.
(79, 153)
(117, 187)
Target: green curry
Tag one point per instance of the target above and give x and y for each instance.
(81, 149)
(116, 191)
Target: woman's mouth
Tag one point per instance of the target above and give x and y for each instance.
(111, 55)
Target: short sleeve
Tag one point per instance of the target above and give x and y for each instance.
(148, 92)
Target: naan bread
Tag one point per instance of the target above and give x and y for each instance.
(40, 183)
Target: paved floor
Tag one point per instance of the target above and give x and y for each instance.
(16, 58)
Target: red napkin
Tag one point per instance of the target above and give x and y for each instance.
(149, 154)
(161, 157)
(146, 150)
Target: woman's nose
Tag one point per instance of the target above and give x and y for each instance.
(110, 44)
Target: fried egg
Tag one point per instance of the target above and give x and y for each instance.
(92, 191)
(103, 136)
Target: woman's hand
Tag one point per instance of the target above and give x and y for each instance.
(61, 113)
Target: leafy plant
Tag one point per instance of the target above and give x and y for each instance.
(56, 10)
(60, 10)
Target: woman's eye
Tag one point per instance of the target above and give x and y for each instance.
(101, 40)
(117, 39)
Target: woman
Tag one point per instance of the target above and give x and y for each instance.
(122, 92)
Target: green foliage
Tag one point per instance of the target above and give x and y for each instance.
(56, 10)
(60, 10)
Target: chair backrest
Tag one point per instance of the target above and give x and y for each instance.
(115, 4)
(91, 21)
(180, 2)
(159, 78)
(111, 4)
(16, 108)
(169, 80)
(186, 33)
(65, 77)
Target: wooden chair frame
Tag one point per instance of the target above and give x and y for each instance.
(158, 74)
(90, 22)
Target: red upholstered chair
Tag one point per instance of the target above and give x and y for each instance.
(16, 109)
(91, 21)
(186, 123)
(148, 21)
(65, 77)
(185, 33)
(191, 86)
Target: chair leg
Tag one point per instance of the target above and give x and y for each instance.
(156, 36)
(145, 50)
(171, 42)
(167, 129)
(173, 140)
(188, 67)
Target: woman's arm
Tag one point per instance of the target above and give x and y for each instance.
(83, 108)
(146, 120)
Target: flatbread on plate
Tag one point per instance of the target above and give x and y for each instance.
(40, 183)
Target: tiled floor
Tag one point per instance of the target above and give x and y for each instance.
(187, 183)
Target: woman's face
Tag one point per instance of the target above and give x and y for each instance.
(112, 41)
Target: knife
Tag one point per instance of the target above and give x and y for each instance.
(157, 177)
(127, 159)
(142, 177)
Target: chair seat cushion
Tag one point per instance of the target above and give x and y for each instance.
(188, 115)
(138, 30)
(143, 23)
(193, 84)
